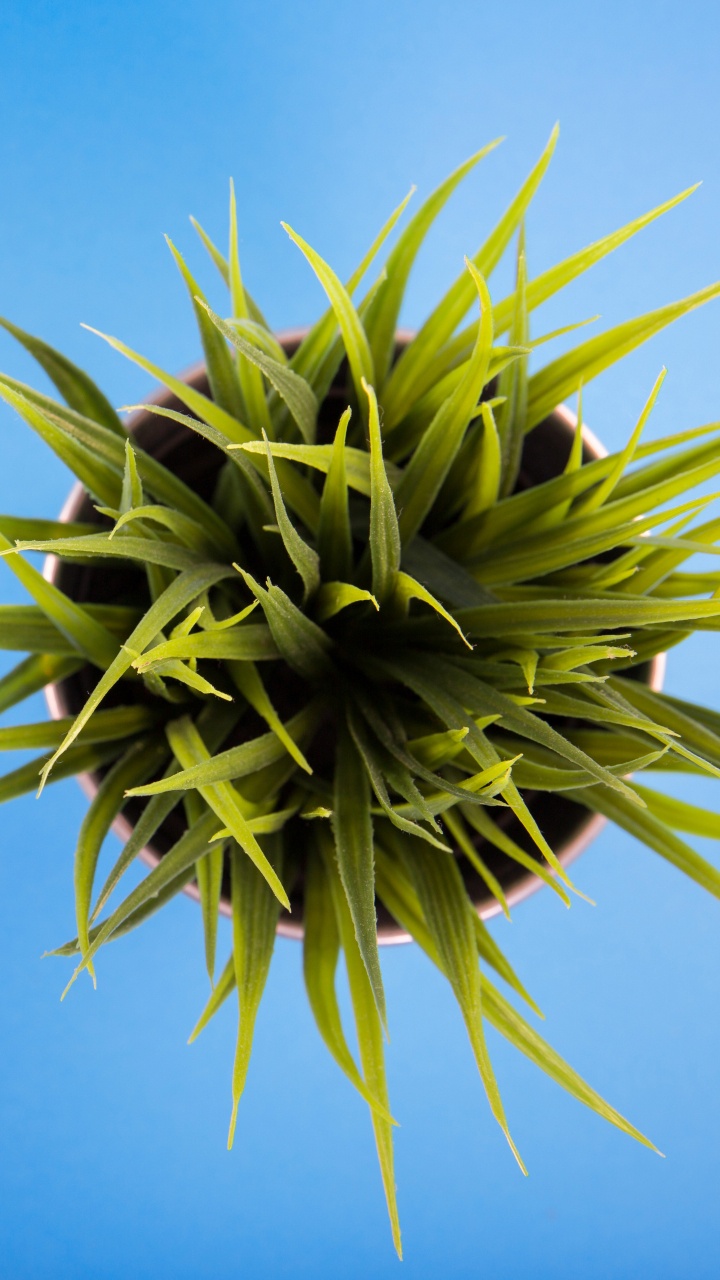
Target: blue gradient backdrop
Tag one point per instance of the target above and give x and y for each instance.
(117, 121)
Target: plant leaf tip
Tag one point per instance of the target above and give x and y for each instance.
(75, 975)
(584, 896)
(233, 1123)
(518, 1157)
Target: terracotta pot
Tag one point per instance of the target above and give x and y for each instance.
(568, 827)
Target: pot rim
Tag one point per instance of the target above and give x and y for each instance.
(388, 935)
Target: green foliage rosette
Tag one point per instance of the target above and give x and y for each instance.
(371, 644)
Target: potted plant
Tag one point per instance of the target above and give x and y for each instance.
(356, 635)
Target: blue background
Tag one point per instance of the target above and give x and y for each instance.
(117, 121)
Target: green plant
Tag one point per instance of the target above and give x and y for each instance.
(424, 643)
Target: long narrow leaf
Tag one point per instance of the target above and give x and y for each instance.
(448, 313)
(562, 377)
(520, 1034)
(319, 354)
(320, 457)
(334, 536)
(35, 673)
(247, 678)
(169, 871)
(85, 634)
(224, 801)
(105, 726)
(304, 557)
(293, 389)
(255, 913)
(79, 759)
(423, 476)
(237, 762)
(513, 381)
(321, 948)
(222, 376)
(352, 828)
(253, 391)
(354, 337)
(384, 541)
(202, 405)
(141, 759)
(383, 321)
(448, 914)
(302, 644)
(655, 833)
(186, 587)
(369, 1026)
(540, 289)
(97, 457)
(77, 389)
(214, 727)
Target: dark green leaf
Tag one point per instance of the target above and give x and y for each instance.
(186, 588)
(293, 389)
(224, 801)
(449, 918)
(222, 375)
(321, 948)
(369, 1024)
(255, 914)
(384, 542)
(305, 559)
(352, 827)
(423, 476)
(77, 389)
